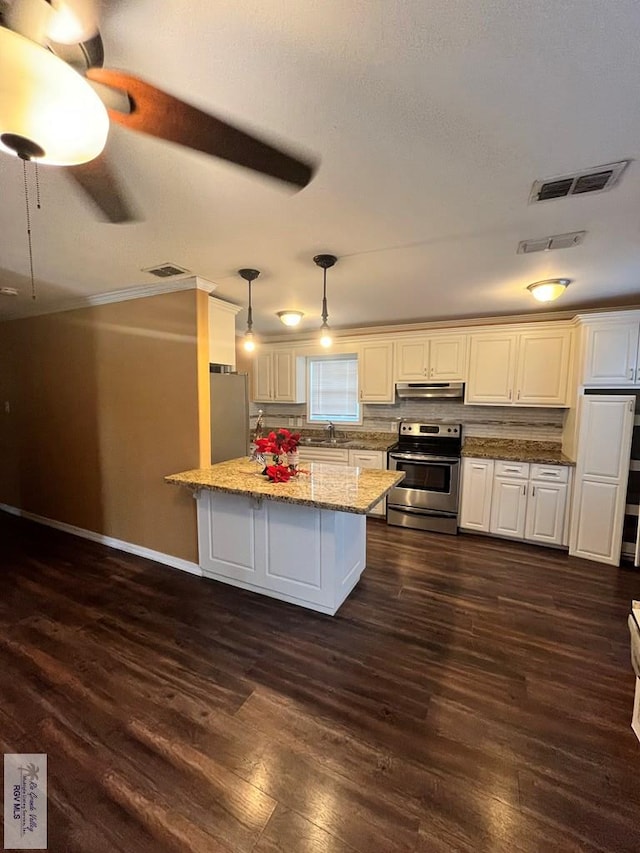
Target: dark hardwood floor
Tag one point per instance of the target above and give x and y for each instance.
(471, 695)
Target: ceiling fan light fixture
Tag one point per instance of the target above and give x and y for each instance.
(73, 23)
(290, 318)
(549, 289)
(49, 113)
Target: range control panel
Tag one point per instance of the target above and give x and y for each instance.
(418, 428)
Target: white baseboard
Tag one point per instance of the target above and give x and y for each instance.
(129, 547)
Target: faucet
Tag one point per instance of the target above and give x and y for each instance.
(332, 431)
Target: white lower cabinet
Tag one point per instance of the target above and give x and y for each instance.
(328, 455)
(515, 499)
(546, 507)
(370, 459)
(308, 556)
(477, 485)
(354, 458)
(508, 507)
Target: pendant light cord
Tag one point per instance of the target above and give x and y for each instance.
(249, 313)
(28, 213)
(325, 314)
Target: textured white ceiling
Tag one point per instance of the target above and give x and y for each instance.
(431, 120)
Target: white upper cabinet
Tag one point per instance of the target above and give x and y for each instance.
(278, 376)
(447, 358)
(492, 364)
(263, 376)
(375, 372)
(222, 331)
(542, 375)
(435, 358)
(611, 353)
(528, 368)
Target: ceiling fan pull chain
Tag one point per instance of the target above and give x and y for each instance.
(26, 206)
(35, 166)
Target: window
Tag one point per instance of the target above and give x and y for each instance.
(333, 389)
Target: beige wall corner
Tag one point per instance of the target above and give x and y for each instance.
(203, 355)
(104, 402)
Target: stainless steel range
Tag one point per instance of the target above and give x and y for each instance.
(428, 497)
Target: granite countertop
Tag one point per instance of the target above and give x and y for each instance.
(335, 487)
(350, 440)
(346, 439)
(516, 450)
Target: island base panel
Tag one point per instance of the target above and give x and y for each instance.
(301, 554)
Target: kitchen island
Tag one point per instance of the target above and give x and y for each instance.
(303, 541)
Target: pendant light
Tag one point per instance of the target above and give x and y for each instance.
(249, 341)
(325, 262)
(549, 289)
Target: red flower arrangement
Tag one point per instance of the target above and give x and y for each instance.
(279, 473)
(279, 443)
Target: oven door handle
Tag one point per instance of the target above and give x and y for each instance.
(415, 457)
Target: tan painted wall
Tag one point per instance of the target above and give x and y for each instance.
(105, 401)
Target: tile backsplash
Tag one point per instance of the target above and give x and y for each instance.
(483, 421)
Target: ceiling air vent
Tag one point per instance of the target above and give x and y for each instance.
(165, 270)
(595, 180)
(556, 241)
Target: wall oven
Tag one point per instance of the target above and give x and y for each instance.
(428, 497)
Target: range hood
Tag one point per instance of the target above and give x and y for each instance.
(430, 390)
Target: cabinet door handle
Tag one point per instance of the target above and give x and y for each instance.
(631, 373)
(524, 489)
(512, 470)
(509, 393)
(533, 491)
(518, 395)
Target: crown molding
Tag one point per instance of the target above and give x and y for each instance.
(571, 315)
(139, 291)
(223, 305)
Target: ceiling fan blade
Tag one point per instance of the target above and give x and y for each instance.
(98, 181)
(159, 114)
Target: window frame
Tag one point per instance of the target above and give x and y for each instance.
(337, 419)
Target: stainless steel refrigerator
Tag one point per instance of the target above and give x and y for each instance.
(229, 416)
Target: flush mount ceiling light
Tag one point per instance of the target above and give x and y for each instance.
(249, 342)
(549, 289)
(48, 112)
(325, 262)
(290, 318)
